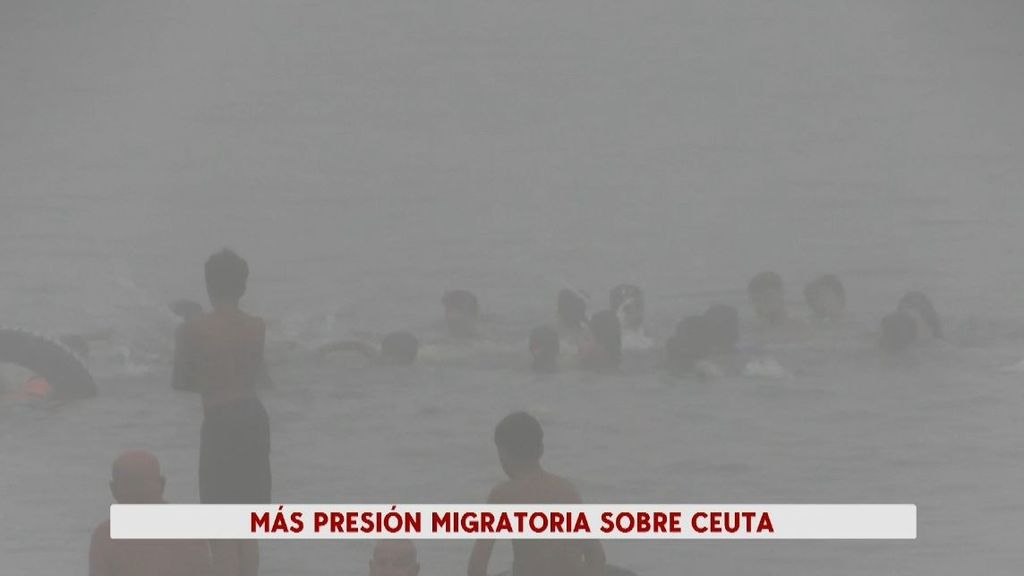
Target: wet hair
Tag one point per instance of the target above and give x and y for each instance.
(461, 300)
(692, 342)
(544, 348)
(722, 325)
(764, 282)
(572, 308)
(226, 276)
(919, 302)
(400, 347)
(520, 437)
(899, 332)
(820, 284)
(607, 333)
(624, 293)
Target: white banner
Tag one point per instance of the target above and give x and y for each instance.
(460, 521)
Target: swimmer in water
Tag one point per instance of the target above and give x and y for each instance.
(920, 308)
(768, 298)
(219, 354)
(602, 348)
(461, 313)
(136, 479)
(34, 389)
(394, 558)
(627, 301)
(399, 348)
(708, 346)
(826, 298)
(775, 327)
(572, 316)
(899, 332)
(544, 349)
(688, 346)
(723, 325)
(520, 443)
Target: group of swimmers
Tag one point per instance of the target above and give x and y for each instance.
(704, 344)
(220, 355)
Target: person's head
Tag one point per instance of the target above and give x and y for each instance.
(520, 442)
(607, 341)
(920, 308)
(826, 297)
(136, 478)
(768, 297)
(572, 309)
(899, 332)
(399, 348)
(627, 301)
(226, 276)
(394, 558)
(544, 349)
(722, 323)
(691, 343)
(461, 311)
(38, 387)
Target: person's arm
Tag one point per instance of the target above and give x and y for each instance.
(481, 555)
(99, 552)
(183, 375)
(593, 558)
(593, 552)
(200, 560)
(263, 379)
(480, 558)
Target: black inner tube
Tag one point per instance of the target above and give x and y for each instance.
(48, 359)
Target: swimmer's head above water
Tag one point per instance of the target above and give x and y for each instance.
(692, 342)
(627, 301)
(572, 309)
(826, 297)
(520, 443)
(768, 297)
(136, 479)
(544, 349)
(394, 558)
(603, 351)
(920, 308)
(399, 348)
(226, 276)
(461, 312)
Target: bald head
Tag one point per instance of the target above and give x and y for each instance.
(136, 478)
(394, 558)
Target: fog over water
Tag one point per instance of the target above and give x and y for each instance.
(365, 157)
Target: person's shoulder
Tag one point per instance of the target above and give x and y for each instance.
(100, 537)
(565, 489)
(200, 323)
(102, 530)
(254, 322)
(502, 493)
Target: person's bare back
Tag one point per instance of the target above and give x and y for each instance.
(221, 356)
(519, 441)
(542, 557)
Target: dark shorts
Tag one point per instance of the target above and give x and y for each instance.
(234, 454)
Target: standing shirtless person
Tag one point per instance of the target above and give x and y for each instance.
(520, 443)
(220, 355)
